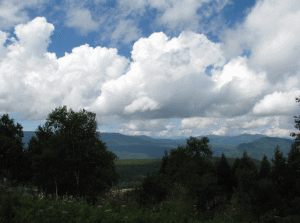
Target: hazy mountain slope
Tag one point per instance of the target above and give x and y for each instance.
(233, 140)
(144, 147)
(257, 148)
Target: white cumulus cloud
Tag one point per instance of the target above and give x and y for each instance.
(167, 78)
(33, 81)
(277, 103)
(271, 33)
(12, 12)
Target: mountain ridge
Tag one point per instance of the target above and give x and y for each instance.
(145, 147)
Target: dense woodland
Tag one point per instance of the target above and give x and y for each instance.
(67, 157)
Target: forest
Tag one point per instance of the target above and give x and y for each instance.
(67, 174)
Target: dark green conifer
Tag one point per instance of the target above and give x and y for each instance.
(265, 168)
(224, 175)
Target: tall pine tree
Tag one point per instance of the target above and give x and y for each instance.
(265, 168)
(224, 175)
(293, 162)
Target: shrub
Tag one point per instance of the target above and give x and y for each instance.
(154, 189)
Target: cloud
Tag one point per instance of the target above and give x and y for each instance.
(196, 123)
(167, 79)
(145, 125)
(181, 13)
(256, 123)
(277, 103)
(168, 76)
(3, 38)
(33, 82)
(12, 12)
(141, 104)
(176, 15)
(81, 19)
(221, 131)
(126, 32)
(270, 32)
(34, 37)
(122, 23)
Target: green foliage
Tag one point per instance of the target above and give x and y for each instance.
(164, 163)
(246, 179)
(205, 188)
(196, 153)
(265, 169)
(177, 158)
(279, 170)
(224, 175)
(246, 162)
(296, 143)
(11, 151)
(8, 204)
(235, 165)
(198, 148)
(154, 190)
(266, 196)
(242, 169)
(68, 151)
(68, 156)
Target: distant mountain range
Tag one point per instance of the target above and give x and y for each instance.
(144, 147)
(266, 145)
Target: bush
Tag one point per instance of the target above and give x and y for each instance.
(8, 202)
(272, 217)
(295, 206)
(154, 189)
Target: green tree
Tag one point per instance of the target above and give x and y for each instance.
(234, 168)
(68, 155)
(266, 197)
(198, 148)
(46, 160)
(12, 152)
(279, 166)
(165, 161)
(265, 168)
(246, 173)
(224, 175)
(293, 160)
(176, 159)
(296, 144)
(204, 189)
(153, 190)
(190, 167)
(246, 176)
(196, 153)
(293, 172)
(290, 185)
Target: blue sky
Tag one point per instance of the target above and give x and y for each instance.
(159, 68)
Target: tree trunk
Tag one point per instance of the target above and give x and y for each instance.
(77, 178)
(56, 188)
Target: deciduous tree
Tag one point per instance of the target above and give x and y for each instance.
(12, 155)
(187, 166)
(76, 157)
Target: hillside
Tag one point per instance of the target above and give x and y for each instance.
(233, 140)
(266, 145)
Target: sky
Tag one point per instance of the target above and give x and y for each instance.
(161, 68)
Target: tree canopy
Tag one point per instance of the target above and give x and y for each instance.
(12, 151)
(68, 156)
